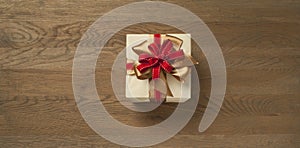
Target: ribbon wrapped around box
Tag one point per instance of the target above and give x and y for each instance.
(158, 67)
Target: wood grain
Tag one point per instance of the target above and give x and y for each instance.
(259, 39)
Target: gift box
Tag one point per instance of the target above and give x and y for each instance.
(158, 67)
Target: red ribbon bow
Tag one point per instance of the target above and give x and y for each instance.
(159, 59)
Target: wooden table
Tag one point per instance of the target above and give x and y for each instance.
(261, 45)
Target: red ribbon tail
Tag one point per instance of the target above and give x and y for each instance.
(166, 66)
(155, 72)
(156, 75)
(157, 95)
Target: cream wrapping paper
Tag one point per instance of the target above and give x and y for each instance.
(138, 90)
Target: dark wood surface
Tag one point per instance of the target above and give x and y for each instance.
(261, 45)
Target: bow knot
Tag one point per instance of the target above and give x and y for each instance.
(160, 58)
